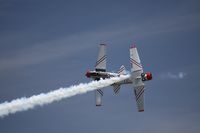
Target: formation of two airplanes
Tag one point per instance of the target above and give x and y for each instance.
(137, 78)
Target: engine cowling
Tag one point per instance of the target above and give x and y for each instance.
(146, 76)
(88, 74)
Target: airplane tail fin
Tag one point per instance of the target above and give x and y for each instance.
(122, 70)
(116, 87)
(101, 60)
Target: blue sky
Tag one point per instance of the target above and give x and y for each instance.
(45, 45)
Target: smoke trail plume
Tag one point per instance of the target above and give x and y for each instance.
(170, 75)
(23, 104)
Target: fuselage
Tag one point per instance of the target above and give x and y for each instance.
(96, 75)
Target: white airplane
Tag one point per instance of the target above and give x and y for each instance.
(137, 78)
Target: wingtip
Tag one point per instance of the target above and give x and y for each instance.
(103, 44)
(133, 45)
(122, 66)
(142, 110)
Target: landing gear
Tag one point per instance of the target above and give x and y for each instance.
(143, 76)
(143, 79)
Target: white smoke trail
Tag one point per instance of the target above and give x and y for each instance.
(23, 104)
(170, 75)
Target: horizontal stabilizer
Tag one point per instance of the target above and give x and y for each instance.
(116, 88)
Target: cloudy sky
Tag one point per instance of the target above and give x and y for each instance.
(45, 45)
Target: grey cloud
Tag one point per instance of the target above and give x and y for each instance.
(69, 45)
(51, 49)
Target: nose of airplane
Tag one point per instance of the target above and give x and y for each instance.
(88, 74)
(149, 76)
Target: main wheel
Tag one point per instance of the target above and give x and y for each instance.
(142, 74)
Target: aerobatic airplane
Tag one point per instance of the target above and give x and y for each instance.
(137, 78)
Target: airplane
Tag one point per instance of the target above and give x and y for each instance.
(137, 78)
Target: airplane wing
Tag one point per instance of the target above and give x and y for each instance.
(139, 97)
(135, 60)
(101, 67)
(136, 71)
(101, 60)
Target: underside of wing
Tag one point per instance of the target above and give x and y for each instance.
(100, 67)
(139, 97)
(101, 60)
(135, 59)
